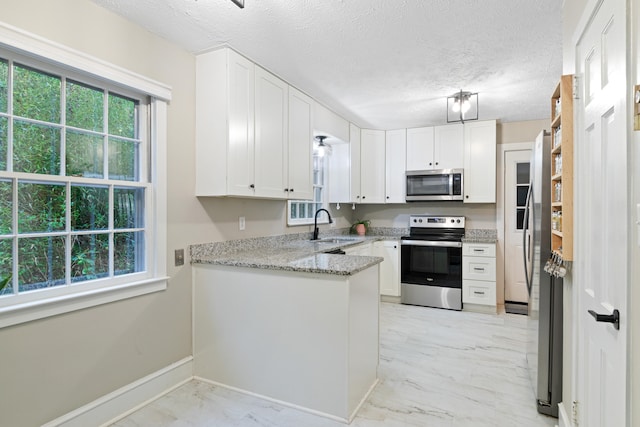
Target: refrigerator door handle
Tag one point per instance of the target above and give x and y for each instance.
(526, 238)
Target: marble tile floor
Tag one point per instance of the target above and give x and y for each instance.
(438, 368)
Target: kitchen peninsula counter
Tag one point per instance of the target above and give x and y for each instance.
(280, 319)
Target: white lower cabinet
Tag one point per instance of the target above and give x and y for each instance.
(479, 276)
(363, 249)
(390, 267)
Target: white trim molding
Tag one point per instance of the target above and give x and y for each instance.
(32, 45)
(118, 404)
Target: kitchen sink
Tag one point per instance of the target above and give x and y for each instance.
(336, 240)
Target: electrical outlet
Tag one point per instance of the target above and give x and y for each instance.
(241, 223)
(179, 257)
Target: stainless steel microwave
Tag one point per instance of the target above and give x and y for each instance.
(441, 184)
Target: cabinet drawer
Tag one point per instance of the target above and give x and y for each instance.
(479, 249)
(479, 268)
(479, 292)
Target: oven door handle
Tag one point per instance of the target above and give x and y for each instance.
(431, 243)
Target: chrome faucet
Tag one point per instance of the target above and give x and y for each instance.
(315, 223)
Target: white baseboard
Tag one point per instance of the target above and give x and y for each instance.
(118, 404)
(563, 418)
(282, 402)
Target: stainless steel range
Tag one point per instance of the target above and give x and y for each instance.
(431, 262)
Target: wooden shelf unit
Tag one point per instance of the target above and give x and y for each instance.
(562, 168)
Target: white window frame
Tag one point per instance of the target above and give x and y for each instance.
(322, 218)
(57, 300)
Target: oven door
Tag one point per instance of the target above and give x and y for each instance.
(431, 273)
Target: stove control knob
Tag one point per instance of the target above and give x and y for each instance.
(453, 220)
(458, 221)
(420, 220)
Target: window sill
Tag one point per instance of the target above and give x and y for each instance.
(22, 313)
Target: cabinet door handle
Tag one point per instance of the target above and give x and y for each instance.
(478, 268)
(437, 163)
(286, 190)
(478, 292)
(478, 250)
(252, 186)
(291, 190)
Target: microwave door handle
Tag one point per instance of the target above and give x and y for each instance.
(451, 184)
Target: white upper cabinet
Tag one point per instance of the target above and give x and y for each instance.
(372, 166)
(480, 162)
(395, 157)
(355, 137)
(448, 147)
(300, 159)
(439, 147)
(225, 84)
(271, 135)
(420, 148)
(242, 131)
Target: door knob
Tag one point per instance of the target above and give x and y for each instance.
(608, 318)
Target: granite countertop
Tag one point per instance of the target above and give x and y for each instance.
(296, 252)
(289, 253)
(479, 235)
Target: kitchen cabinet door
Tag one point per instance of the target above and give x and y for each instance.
(271, 138)
(448, 147)
(355, 139)
(420, 148)
(224, 124)
(300, 158)
(480, 162)
(389, 268)
(372, 166)
(395, 158)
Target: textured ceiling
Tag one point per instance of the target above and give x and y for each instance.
(382, 64)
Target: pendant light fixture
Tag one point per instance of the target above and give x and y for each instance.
(462, 106)
(321, 148)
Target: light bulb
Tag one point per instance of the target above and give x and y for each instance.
(466, 105)
(456, 106)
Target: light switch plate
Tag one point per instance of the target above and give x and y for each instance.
(241, 223)
(179, 257)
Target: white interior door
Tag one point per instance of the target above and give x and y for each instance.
(516, 186)
(602, 238)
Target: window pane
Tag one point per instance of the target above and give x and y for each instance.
(85, 107)
(519, 219)
(6, 207)
(89, 208)
(294, 210)
(84, 155)
(3, 143)
(521, 195)
(6, 260)
(522, 173)
(128, 204)
(36, 148)
(41, 262)
(4, 72)
(89, 257)
(123, 158)
(36, 95)
(122, 116)
(303, 211)
(41, 207)
(317, 194)
(128, 252)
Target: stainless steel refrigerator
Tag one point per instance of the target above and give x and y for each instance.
(544, 349)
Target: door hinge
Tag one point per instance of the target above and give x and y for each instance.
(574, 413)
(576, 87)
